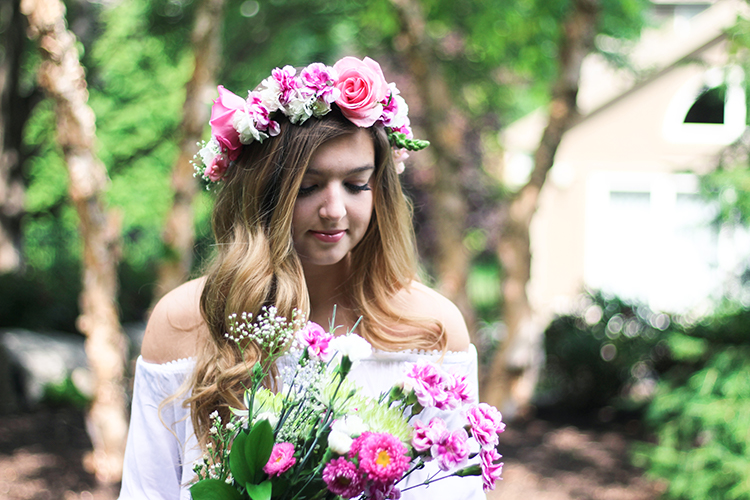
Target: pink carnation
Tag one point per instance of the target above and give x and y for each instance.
(281, 460)
(322, 80)
(363, 89)
(427, 435)
(428, 384)
(342, 478)
(452, 450)
(486, 423)
(286, 81)
(222, 129)
(459, 390)
(491, 471)
(381, 456)
(316, 340)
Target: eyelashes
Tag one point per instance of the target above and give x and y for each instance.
(352, 188)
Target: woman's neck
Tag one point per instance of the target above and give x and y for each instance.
(326, 288)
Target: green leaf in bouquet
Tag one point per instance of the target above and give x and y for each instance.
(237, 461)
(260, 491)
(214, 489)
(258, 447)
(472, 470)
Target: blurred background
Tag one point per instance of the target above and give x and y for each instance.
(585, 202)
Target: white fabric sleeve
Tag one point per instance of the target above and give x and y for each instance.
(161, 445)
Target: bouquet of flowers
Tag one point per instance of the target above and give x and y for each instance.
(319, 437)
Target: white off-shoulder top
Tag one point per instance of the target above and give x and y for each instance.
(162, 447)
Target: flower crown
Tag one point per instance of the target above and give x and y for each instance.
(357, 87)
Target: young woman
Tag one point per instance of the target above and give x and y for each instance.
(310, 215)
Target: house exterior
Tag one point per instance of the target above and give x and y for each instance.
(620, 211)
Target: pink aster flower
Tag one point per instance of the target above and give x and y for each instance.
(281, 460)
(342, 478)
(381, 456)
(316, 340)
(427, 435)
(486, 423)
(452, 451)
(491, 468)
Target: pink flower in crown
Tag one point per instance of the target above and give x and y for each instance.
(427, 435)
(342, 478)
(486, 423)
(363, 89)
(395, 111)
(316, 340)
(491, 468)
(218, 167)
(281, 460)
(382, 457)
(428, 384)
(287, 82)
(222, 113)
(452, 451)
(321, 79)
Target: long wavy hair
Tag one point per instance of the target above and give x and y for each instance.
(256, 265)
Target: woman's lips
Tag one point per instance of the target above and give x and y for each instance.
(329, 236)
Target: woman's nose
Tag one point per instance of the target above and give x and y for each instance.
(333, 207)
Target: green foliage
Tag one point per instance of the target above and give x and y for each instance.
(701, 413)
(603, 353)
(65, 394)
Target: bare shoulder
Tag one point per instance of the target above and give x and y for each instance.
(424, 301)
(175, 327)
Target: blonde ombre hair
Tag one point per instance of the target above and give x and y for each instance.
(256, 264)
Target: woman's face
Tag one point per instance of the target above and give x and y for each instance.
(334, 204)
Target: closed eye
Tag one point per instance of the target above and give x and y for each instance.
(304, 191)
(357, 188)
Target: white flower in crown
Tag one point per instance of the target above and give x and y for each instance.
(210, 151)
(300, 106)
(244, 124)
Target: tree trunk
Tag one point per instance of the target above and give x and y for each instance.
(14, 111)
(445, 126)
(516, 366)
(179, 236)
(62, 77)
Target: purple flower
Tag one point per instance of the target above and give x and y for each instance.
(491, 471)
(281, 460)
(381, 491)
(452, 450)
(486, 423)
(342, 478)
(316, 340)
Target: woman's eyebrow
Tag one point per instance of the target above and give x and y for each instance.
(313, 171)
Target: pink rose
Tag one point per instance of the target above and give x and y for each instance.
(218, 167)
(363, 88)
(221, 121)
